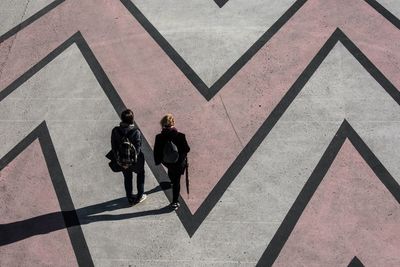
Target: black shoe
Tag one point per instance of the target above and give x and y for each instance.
(175, 205)
(131, 200)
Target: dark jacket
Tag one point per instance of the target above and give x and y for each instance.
(179, 139)
(134, 136)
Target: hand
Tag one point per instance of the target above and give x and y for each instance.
(123, 166)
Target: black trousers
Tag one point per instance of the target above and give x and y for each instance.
(175, 176)
(128, 177)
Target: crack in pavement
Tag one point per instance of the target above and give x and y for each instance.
(233, 126)
(3, 65)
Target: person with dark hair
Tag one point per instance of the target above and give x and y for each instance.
(126, 143)
(171, 149)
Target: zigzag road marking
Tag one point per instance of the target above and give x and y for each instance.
(137, 62)
(132, 30)
(355, 263)
(37, 190)
(221, 3)
(388, 8)
(350, 213)
(340, 88)
(13, 12)
(211, 39)
(265, 198)
(171, 51)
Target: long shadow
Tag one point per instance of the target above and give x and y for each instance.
(47, 223)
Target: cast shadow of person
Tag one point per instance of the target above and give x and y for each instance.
(47, 223)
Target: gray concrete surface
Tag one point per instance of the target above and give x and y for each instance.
(391, 5)
(13, 12)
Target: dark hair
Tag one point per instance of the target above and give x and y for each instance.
(127, 116)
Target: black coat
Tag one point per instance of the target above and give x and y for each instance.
(179, 139)
(135, 137)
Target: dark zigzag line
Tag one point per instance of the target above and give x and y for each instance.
(355, 262)
(75, 233)
(192, 222)
(345, 131)
(279, 110)
(384, 12)
(209, 92)
(112, 95)
(221, 3)
(338, 35)
(189, 221)
(184, 213)
(30, 20)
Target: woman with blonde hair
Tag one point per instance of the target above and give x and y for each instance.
(170, 149)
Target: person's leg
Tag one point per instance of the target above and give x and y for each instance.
(128, 183)
(140, 176)
(140, 183)
(175, 177)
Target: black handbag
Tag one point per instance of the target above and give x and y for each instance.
(113, 162)
(115, 167)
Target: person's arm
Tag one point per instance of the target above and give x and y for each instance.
(137, 140)
(185, 144)
(156, 151)
(114, 145)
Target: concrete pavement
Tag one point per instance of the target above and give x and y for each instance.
(298, 102)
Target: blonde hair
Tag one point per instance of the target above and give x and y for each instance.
(167, 121)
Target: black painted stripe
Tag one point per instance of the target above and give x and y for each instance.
(30, 20)
(345, 132)
(74, 230)
(209, 92)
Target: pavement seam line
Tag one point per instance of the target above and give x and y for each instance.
(233, 126)
(2, 67)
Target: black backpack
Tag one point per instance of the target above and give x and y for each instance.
(170, 153)
(126, 153)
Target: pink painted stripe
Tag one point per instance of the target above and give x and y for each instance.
(351, 214)
(26, 191)
(150, 83)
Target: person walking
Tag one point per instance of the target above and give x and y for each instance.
(126, 144)
(171, 149)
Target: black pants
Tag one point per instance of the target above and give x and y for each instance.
(128, 177)
(175, 176)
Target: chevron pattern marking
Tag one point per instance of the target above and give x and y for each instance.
(212, 40)
(388, 8)
(228, 109)
(356, 263)
(23, 183)
(221, 3)
(217, 213)
(18, 56)
(19, 14)
(352, 212)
